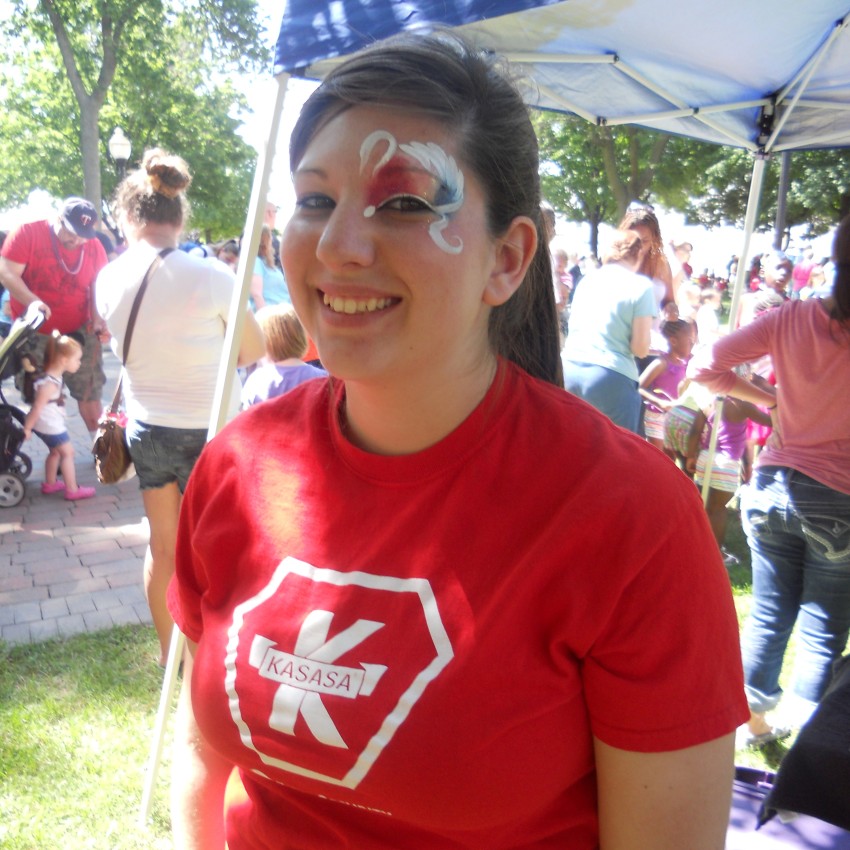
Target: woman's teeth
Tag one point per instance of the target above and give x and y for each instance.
(356, 305)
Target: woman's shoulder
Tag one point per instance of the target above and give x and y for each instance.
(128, 267)
(583, 443)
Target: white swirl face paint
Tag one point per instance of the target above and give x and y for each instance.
(400, 171)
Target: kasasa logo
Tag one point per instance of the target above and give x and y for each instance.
(308, 673)
(324, 700)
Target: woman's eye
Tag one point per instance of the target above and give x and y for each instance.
(314, 202)
(406, 203)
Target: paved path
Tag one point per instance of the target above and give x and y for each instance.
(71, 567)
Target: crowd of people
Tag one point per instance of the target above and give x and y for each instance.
(428, 599)
(712, 403)
(87, 290)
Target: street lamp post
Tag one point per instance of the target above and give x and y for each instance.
(120, 149)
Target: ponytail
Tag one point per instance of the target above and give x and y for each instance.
(58, 345)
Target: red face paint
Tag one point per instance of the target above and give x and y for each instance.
(399, 177)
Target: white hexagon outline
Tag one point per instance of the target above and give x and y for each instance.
(397, 716)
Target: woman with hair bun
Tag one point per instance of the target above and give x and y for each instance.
(796, 509)
(173, 361)
(426, 607)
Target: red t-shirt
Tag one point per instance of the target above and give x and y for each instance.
(417, 651)
(67, 293)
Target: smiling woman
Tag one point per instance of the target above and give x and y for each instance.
(409, 621)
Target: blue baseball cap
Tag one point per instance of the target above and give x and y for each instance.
(79, 216)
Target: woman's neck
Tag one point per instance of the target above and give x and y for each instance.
(404, 417)
(158, 236)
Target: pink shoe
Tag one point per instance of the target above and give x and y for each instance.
(80, 493)
(55, 487)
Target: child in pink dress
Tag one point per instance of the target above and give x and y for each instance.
(730, 465)
(661, 381)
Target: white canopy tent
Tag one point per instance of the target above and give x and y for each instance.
(766, 77)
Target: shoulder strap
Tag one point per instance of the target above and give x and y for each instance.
(137, 301)
(131, 322)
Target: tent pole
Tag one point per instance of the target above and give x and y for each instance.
(749, 226)
(218, 414)
(245, 268)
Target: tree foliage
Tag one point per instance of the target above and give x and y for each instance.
(591, 173)
(818, 193)
(157, 69)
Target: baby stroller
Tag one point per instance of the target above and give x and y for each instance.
(15, 466)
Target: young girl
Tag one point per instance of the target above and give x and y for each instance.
(684, 423)
(660, 381)
(46, 417)
(283, 367)
(730, 465)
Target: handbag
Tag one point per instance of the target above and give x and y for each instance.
(112, 461)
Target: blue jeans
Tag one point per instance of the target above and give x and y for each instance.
(608, 391)
(798, 531)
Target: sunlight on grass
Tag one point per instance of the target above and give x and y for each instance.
(75, 726)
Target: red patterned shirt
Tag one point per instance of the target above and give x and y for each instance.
(62, 279)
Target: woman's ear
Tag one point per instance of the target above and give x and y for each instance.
(514, 253)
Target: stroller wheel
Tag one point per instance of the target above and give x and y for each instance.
(21, 465)
(12, 489)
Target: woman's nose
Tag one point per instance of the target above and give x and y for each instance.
(348, 237)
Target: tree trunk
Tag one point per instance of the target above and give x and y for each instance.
(90, 149)
(90, 102)
(595, 219)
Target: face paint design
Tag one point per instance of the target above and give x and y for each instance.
(397, 175)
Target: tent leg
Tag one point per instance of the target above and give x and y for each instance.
(218, 415)
(172, 668)
(712, 446)
(749, 226)
(245, 268)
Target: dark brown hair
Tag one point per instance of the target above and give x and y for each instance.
(154, 193)
(654, 264)
(473, 94)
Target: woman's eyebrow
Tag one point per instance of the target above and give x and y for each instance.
(301, 171)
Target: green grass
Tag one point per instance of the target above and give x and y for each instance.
(76, 720)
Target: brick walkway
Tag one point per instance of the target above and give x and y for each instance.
(71, 567)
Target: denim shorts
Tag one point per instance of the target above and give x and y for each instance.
(163, 455)
(53, 440)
